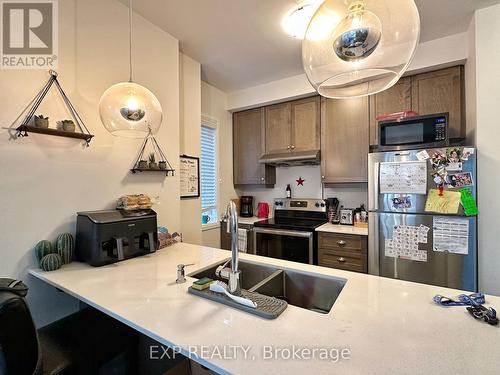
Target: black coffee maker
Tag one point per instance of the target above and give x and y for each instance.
(246, 206)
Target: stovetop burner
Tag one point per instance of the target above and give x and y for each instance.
(296, 214)
(290, 223)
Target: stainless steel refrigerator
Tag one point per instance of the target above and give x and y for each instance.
(409, 243)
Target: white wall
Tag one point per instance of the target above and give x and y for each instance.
(487, 30)
(349, 195)
(284, 176)
(46, 180)
(434, 54)
(470, 85)
(190, 119)
(214, 105)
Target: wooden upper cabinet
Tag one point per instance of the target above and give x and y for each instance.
(278, 129)
(344, 140)
(248, 138)
(395, 99)
(441, 91)
(306, 124)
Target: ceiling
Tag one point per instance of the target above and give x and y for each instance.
(240, 43)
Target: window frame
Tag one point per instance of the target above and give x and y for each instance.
(213, 123)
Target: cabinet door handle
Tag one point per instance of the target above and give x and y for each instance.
(288, 147)
(341, 242)
(323, 177)
(341, 260)
(293, 147)
(262, 178)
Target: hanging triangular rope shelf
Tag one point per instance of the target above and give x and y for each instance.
(25, 127)
(163, 164)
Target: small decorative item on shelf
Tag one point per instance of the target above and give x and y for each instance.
(67, 125)
(51, 262)
(43, 248)
(40, 124)
(65, 246)
(134, 202)
(41, 121)
(152, 161)
(162, 165)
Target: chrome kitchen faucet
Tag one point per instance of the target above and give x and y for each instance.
(233, 274)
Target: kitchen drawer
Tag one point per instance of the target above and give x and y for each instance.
(355, 254)
(342, 241)
(344, 260)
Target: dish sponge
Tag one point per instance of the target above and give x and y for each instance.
(202, 283)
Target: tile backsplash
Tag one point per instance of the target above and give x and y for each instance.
(349, 195)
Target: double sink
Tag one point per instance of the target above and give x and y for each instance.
(309, 291)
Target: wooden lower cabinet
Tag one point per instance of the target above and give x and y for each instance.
(343, 251)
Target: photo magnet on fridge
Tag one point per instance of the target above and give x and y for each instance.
(459, 180)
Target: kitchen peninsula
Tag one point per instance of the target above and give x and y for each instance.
(383, 325)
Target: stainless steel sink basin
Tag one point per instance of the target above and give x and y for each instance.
(309, 291)
(306, 290)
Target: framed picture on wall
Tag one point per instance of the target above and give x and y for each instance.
(189, 176)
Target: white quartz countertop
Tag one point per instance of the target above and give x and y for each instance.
(343, 229)
(389, 326)
(248, 220)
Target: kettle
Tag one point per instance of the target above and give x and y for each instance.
(263, 210)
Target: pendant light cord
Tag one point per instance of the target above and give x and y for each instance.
(130, 38)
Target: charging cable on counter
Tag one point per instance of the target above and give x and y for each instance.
(474, 303)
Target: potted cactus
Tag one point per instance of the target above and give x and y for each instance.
(152, 161)
(142, 164)
(41, 121)
(162, 164)
(66, 125)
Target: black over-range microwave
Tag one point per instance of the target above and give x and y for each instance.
(429, 131)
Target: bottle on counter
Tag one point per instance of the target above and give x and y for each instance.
(288, 191)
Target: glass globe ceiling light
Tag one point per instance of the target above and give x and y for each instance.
(128, 109)
(354, 48)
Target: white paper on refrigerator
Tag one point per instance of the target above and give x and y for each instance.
(451, 234)
(405, 241)
(403, 177)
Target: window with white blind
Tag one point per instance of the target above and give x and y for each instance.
(209, 174)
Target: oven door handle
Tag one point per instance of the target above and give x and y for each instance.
(280, 232)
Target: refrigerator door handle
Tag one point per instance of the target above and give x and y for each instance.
(373, 244)
(373, 186)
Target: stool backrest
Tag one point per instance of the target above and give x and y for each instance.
(19, 348)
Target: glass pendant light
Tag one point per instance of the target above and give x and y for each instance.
(128, 109)
(355, 48)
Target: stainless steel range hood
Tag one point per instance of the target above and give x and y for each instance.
(292, 158)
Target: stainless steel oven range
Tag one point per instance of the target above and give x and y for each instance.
(290, 234)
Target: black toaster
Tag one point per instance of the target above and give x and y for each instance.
(104, 237)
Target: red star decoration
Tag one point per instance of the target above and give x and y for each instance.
(300, 181)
